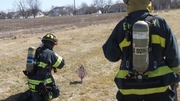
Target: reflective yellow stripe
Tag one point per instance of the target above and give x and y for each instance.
(158, 72)
(122, 74)
(156, 39)
(58, 62)
(34, 90)
(32, 86)
(33, 83)
(176, 69)
(47, 81)
(42, 64)
(36, 82)
(124, 43)
(143, 91)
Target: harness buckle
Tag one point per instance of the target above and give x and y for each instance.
(127, 64)
(140, 77)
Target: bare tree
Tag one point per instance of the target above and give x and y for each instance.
(91, 9)
(175, 4)
(95, 3)
(9, 15)
(118, 1)
(99, 4)
(102, 3)
(161, 4)
(109, 2)
(34, 6)
(22, 8)
(2, 15)
(70, 9)
(165, 4)
(84, 7)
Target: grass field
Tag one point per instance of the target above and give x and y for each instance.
(79, 43)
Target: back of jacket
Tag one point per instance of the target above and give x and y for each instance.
(46, 60)
(164, 43)
(164, 51)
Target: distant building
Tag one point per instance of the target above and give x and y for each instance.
(107, 8)
(99, 12)
(61, 11)
(38, 15)
(55, 11)
(2, 15)
(119, 7)
(81, 11)
(16, 15)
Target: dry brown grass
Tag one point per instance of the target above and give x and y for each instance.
(78, 45)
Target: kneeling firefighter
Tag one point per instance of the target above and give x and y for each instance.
(149, 55)
(40, 62)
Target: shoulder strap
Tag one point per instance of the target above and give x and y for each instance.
(36, 59)
(129, 30)
(151, 56)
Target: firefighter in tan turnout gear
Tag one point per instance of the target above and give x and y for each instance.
(149, 53)
(41, 83)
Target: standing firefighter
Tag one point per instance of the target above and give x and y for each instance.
(149, 53)
(40, 80)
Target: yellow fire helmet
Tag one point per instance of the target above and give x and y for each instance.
(50, 37)
(135, 5)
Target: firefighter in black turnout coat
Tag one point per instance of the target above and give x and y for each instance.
(163, 56)
(41, 83)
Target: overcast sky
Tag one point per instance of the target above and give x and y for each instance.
(9, 5)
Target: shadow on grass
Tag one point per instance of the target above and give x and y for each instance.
(21, 96)
(75, 82)
(12, 97)
(18, 97)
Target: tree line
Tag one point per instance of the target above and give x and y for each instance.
(166, 4)
(27, 8)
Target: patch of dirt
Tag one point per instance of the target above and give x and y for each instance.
(15, 28)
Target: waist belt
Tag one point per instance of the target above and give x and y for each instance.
(152, 65)
(145, 83)
(150, 86)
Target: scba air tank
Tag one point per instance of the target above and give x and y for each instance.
(140, 38)
(30, 59)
